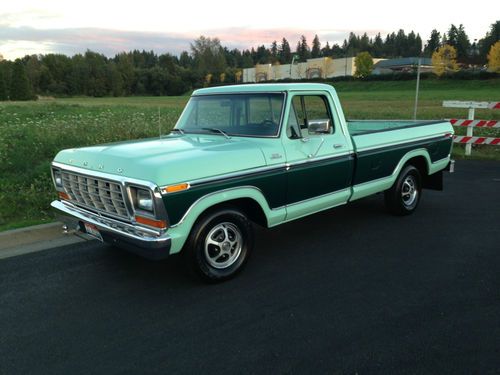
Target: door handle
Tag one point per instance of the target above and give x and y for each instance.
(338, 146)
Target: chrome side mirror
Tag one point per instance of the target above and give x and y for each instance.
(320, 126)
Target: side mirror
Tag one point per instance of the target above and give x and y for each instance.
(321, 126)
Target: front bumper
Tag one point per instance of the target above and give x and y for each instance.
(141, 241)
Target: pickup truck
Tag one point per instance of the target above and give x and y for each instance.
(238, 156)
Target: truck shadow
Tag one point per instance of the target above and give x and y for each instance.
(320, 232)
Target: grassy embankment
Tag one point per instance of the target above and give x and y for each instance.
(31, 133)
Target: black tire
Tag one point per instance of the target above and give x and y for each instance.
(404, 196)
(219, 245)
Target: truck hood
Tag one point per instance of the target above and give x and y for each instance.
(168, 160)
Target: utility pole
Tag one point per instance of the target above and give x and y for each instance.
(417, 89)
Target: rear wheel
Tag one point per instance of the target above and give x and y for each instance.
(403, 197)
(219, 244)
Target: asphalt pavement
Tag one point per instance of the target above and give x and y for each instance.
(349, 290)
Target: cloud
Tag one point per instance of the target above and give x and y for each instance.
(70, 41)
(106, 41)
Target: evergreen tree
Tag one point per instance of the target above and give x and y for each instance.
(491, 37)
(364, 43)
(400, 43)
(452, 36)
(285, 52)
(303, 49)
(274, 51)
(20, 85)
(185, 60)
(378, 46)
(463, 44)
(390, 46)
(326, 50)
(316, 47)
(433, 43)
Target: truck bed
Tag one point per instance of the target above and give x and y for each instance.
(380, 145)
(358, 127)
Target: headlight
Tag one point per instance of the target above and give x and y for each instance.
(143, 200)
(58, 178)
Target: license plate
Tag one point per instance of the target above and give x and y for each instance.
(92, 230)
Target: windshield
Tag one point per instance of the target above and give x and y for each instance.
(251, 115)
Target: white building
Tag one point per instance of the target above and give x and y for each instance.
(323, 67)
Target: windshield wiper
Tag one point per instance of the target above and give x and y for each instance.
(217, 130)
(178, 130)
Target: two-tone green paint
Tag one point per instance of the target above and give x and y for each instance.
(287, 178)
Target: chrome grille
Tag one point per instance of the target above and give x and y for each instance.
(95, 193)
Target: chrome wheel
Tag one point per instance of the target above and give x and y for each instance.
(409, 190)
(223, 245)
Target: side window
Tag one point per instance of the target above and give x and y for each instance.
(306, 108)
(316, 108)
(299, 111)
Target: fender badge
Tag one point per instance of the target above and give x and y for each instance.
(276, 156)
(119, 170)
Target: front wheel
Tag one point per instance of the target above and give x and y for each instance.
(403, 197)
(219, 244)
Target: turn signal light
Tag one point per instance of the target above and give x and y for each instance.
(63, 195)
(176, 188)
(161, 224)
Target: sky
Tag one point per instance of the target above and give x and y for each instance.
(110, 27)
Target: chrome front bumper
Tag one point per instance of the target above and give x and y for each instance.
(142, 241)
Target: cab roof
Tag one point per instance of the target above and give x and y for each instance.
(264, 87)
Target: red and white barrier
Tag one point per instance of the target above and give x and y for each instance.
(476, 140)
(476, 123)
(470, 123)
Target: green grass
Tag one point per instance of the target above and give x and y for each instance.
(31, 133)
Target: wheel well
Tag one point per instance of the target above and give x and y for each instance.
(433, 181)
(248, 206)
(420, 163)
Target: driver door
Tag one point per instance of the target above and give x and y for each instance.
(319, 165)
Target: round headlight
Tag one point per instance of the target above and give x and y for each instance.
(144, 200)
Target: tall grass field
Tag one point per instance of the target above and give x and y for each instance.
(31, 133)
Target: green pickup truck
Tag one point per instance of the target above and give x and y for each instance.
(242, 155)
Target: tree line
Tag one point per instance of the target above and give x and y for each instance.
(147, 73)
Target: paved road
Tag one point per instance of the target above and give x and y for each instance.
(351, 290)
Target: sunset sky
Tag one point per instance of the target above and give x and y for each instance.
(108, 27)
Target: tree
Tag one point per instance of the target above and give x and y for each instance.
(274, 52)
(4, 95)
(316, 48)
(303, 49)
(378, 46)
(326, 50)
(20, 88)
(364, 64)
(492, 36)
(433, 43)
(444, 60)
(494, 58)
(463, 43)
(285, 52)
(208, 56)
(401, 43)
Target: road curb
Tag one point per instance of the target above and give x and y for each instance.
(35, 238)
